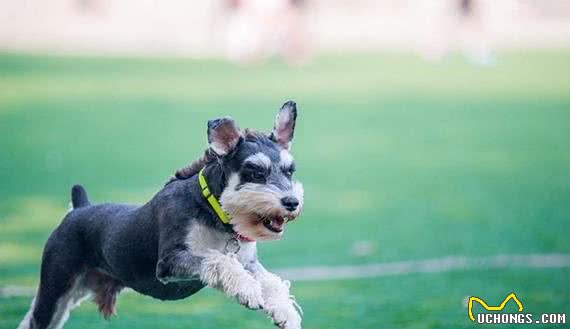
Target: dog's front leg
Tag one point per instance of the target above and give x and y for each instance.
(226, 273)
(280, 305)
(214, 269)
(178, 265)
(190, 251)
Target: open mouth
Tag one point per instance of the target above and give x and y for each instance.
(275, 224)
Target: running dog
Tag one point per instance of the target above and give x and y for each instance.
(199, 230)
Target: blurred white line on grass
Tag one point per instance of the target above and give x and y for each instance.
(434, 265)
(17, 291)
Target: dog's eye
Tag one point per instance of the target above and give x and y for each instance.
(289, 171)
(258, 175)
(255, 173)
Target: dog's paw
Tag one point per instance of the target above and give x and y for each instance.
(251, 297)
(287, 319)
(164, 272)
(288, 325)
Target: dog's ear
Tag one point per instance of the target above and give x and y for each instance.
(284, 126)
(223, 135)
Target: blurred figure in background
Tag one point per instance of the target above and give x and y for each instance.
(473, 24)
(257, 29)
(88, 6)
(456, 24)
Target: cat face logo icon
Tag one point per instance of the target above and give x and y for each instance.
(492, 308)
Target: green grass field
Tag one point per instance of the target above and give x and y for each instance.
(419, 160)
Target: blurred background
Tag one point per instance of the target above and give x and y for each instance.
(433, 142)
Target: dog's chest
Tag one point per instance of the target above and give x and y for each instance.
(203, 240)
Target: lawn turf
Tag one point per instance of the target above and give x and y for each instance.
(418, 160)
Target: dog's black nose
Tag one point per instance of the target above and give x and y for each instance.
(290, 203)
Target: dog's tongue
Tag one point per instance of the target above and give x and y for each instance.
(277, 222)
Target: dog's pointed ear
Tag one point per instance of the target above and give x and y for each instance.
(284, 126)
(223, 135)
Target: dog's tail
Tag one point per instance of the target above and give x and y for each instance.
(79, 197)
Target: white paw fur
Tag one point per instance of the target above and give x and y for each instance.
(279, 304)
(224, 272)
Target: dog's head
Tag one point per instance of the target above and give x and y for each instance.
(260, 195)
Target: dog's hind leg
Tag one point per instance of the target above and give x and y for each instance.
(62, 281)
(50, 308)
(27, 321)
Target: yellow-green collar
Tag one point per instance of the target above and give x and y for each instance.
(212, 199)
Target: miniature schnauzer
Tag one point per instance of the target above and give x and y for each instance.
(199, 230)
